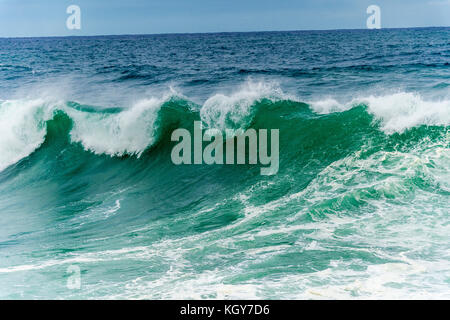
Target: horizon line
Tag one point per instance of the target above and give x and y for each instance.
(217, 32)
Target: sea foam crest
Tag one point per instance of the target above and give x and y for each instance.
(402, 111)
(133, 130)
(129, 132)
(234, 110)
(397, 112)
(22, 129)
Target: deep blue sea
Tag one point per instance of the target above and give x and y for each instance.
(359, 207)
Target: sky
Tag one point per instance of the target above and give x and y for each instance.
(30, 18)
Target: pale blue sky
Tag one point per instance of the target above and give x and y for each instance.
(98, 17)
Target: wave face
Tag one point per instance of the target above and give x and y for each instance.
(358, 209)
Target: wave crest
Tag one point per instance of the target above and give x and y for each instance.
(397, 112)
(22, 129)
(131, 131)
(235, 110)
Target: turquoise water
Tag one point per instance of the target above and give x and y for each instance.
(358, 209)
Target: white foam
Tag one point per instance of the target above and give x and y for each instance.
(22, 129)
(232, 111)
(402, 111)
(397, 112)
(128, 132)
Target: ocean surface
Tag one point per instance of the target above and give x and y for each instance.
(358, 209)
